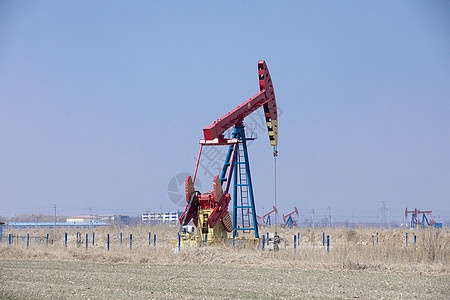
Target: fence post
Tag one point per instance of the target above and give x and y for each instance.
(206, 239)
(323, 238)
(233, 241)
(179, 242)
(28, 240)
(121, 238)
(414, 239)
(65, 239)
(298, 238)
(154, 240)
(86, 241)
(107, 242)
(406, 239)
(93, 237)
(295, 243)
(46, 241)
(131, 240)
(263, 242)
(150, 238)
(328, 244)
(9, 239)
(373, 241)
(377, 238)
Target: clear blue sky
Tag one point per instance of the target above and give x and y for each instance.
(102, 103)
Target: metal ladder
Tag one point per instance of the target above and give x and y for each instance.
(243, 189)
(242, 195)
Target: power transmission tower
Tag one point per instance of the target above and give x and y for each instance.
(310, 220)
(383, 211)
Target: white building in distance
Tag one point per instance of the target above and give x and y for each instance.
(160, 217)
(82, 219)
(112, 219)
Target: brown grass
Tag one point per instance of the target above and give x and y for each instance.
(350, 249)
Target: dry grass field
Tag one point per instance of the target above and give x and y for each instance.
(355, 267)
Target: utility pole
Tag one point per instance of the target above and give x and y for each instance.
(90, 217)
(54, 207)
(329, 216)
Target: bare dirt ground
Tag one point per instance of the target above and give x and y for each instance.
(37, 279)
(356, 267)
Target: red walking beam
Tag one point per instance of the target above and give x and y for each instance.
(265, 98)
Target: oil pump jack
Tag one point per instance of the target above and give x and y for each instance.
(258, 218)
(415, 218)
(266, 217)
(209, 210)
(288, 221)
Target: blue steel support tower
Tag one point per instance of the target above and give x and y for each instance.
(243, 199)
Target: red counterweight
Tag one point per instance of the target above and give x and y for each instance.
(215, 200)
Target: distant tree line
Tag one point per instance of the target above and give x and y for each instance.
(34, 218)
